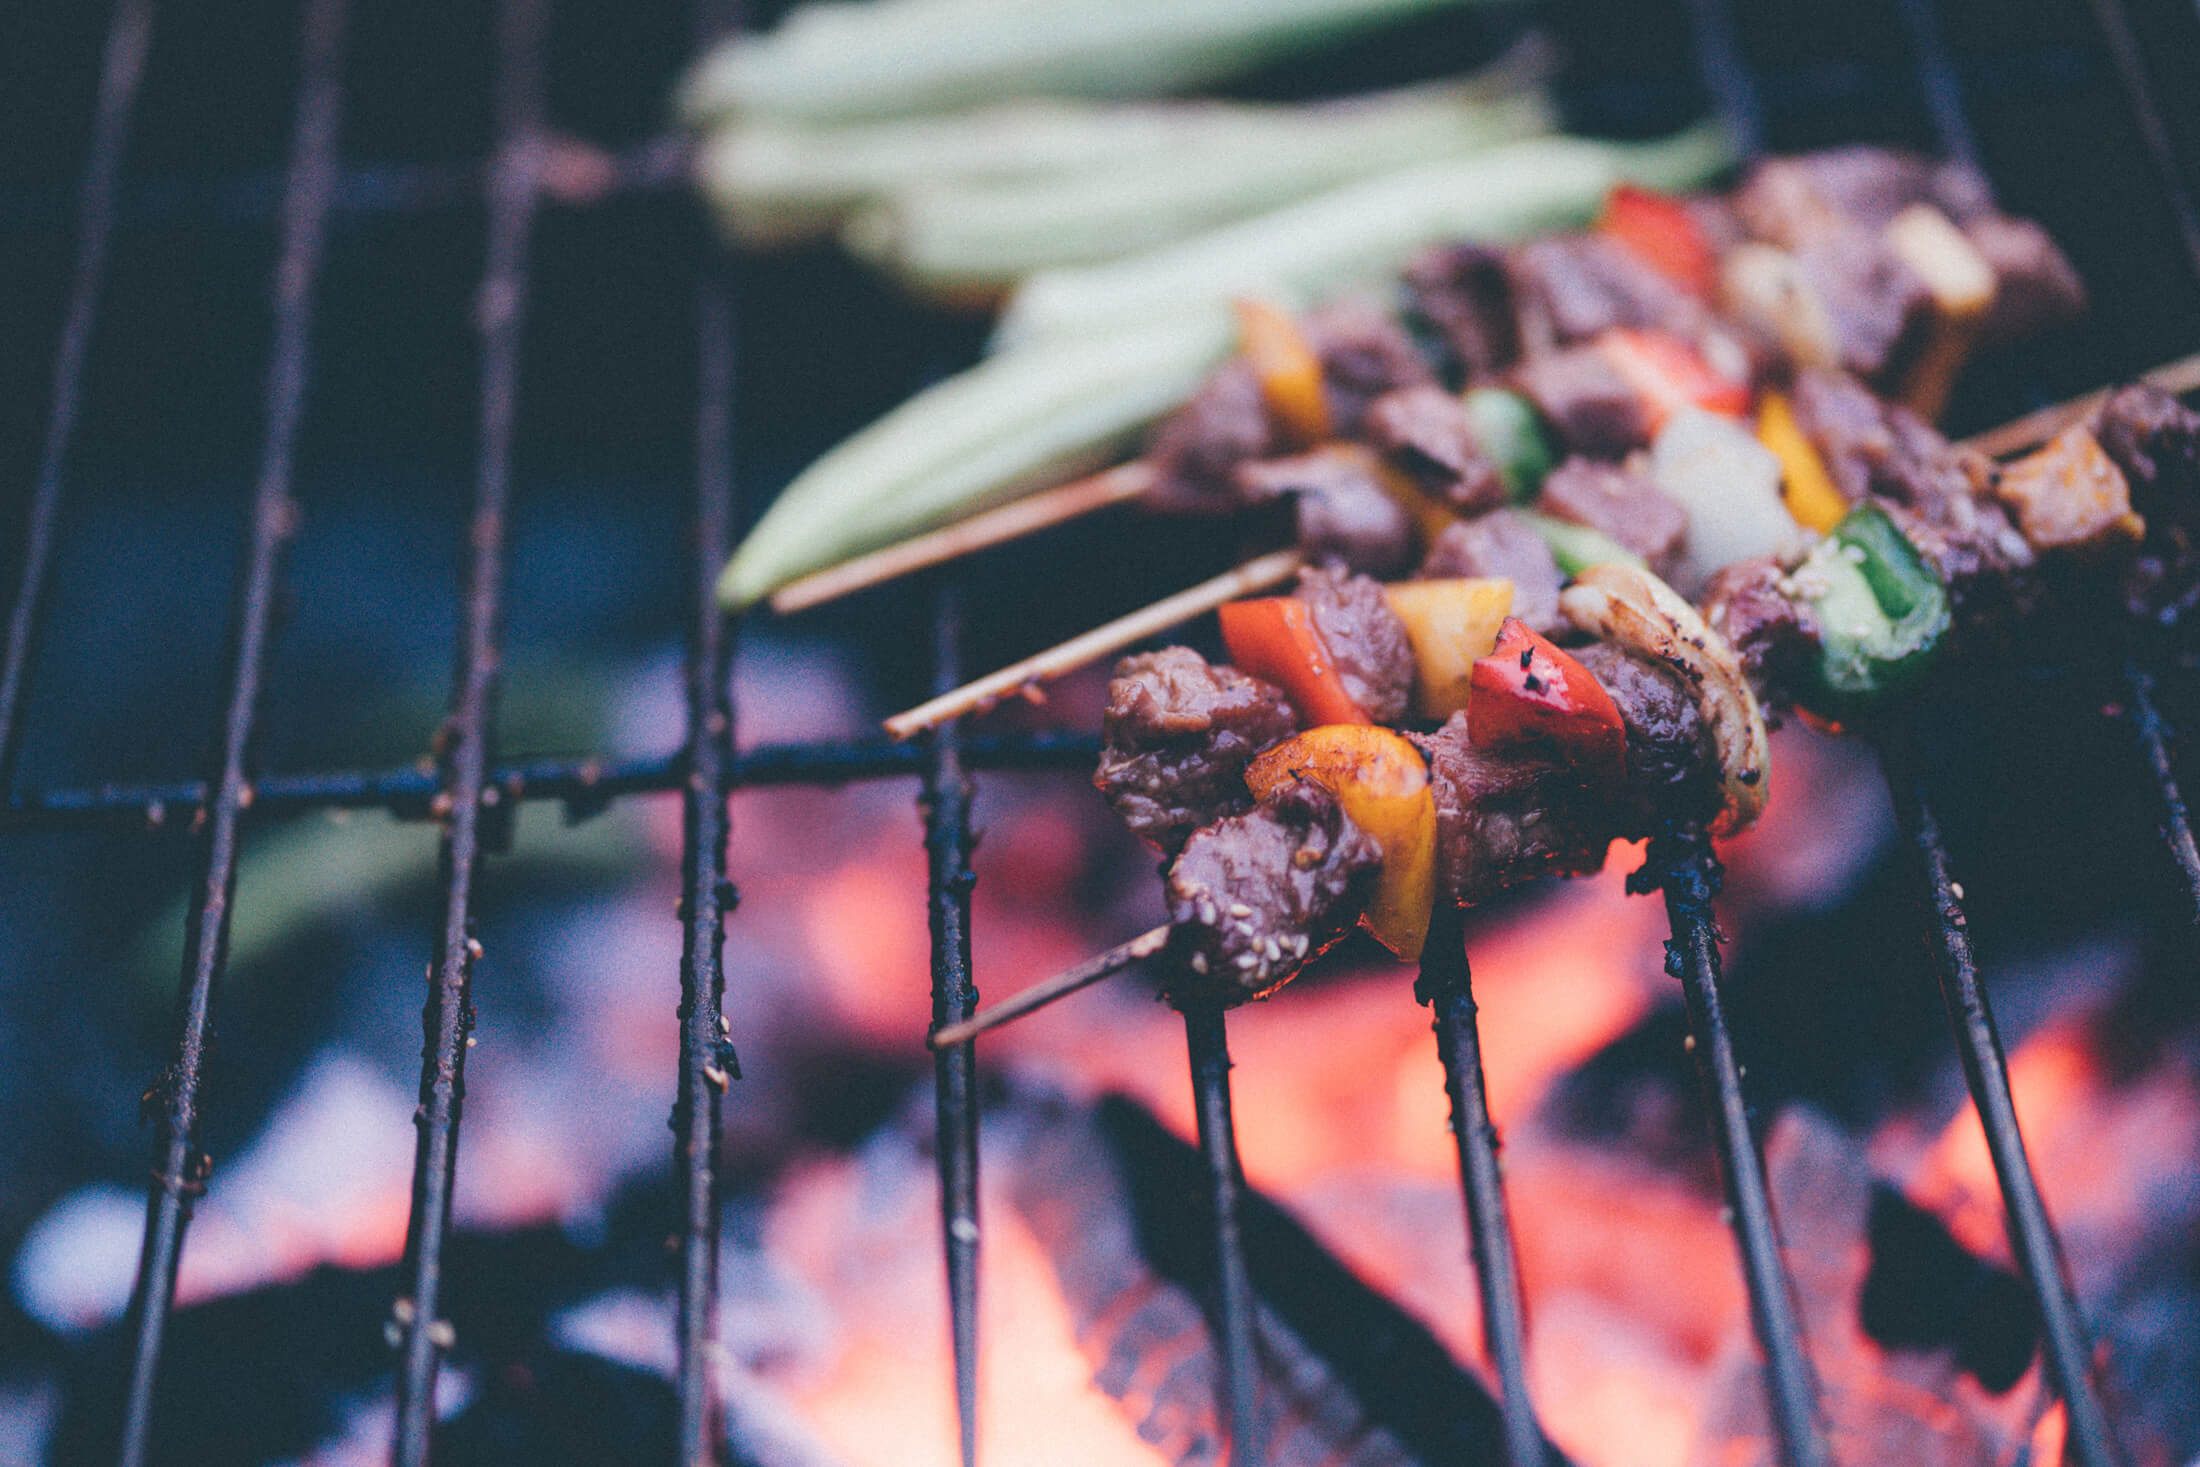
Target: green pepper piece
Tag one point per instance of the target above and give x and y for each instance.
(1882, 611)
(1577, 547)
(1512, 437)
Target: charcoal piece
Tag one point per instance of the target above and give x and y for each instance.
(1926, 1291)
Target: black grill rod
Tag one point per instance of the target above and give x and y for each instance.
(1726, 75)
(1936, 74)
(946, 800)
(1447, 986)
(180, 1169)
(1206, 1040)
(2089, 1441)
(122, 67)
(2154, 735)
(464, 741)
(2146, 114)
(1685, 869)
(708, 1064)
(585, 783)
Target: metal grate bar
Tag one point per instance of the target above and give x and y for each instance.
(2146, 113)
(2154, 735)
(1937, 77)
(1206, 1040)
(585, 784)
(2031, 1235)
(1685, 869)
(707, 1059)
(447, 1018)
(946, 804)
(180, 1169)
(1447, 987)
(129, 38)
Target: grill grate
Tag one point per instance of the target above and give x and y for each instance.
(474, 799)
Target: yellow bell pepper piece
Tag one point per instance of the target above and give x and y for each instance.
(1806, 487)
(1289, 371)
(1381, 780)
(1450, 623)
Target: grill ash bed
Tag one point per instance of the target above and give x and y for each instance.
(471, 792)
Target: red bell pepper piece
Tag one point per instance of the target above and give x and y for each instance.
(1659, 231)
(1670, 375)
(1527, 693)
(1274, 637)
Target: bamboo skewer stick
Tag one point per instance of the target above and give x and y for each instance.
(1258, 574)
(1061, 985)
(1011, 521)
(2033, 429)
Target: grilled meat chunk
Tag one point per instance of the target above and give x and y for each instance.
(1343, 516)
(1428, 435)
(1790, 201)
(1254, 897)
(2035, 285)
(1672, 767)
(2155, 440)
(1572, 287)
(1501, 543)
(1366, 641)
(1364, 354)
(1771, 632)
(1464, 294)
(1622, 503)
(1176, 738)
(1876, 307)
(1502, 820)
(1595, 410)
(1196, 453)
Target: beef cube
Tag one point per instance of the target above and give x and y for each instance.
(1254, 897)
(1573, 287)
(1875, 306)
(2070, 495)
(1594, 409)
(1344, 516)
(2155, 440)
(1620, 502)
(1774, 634)
(1175, 740)
(1502, 820)
(1196, 453)
(1465, 295)
(1672, 765)
(1428, 435)
(1502, 543)
(2035, 285)
(1366, 640)
(1790, 201)
(1364, 354)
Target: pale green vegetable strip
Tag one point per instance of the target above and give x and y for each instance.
(1361, 232)
(898, 56)
(960, 235)
(1003, 426)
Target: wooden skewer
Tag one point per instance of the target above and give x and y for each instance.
(1062, 985)
(1258, 574)
(2033, 429)
(1011, 521)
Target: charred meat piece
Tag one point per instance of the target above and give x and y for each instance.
(1196, 453)
(1501, 543)
(1622, 503)
(1428, 435)
(1343, 515)
(2155, 440)
(1594, 409)
(1502, 820)
(2069, 495)
(1364, 354)
(1876, 308)
(2035, 285)
(1176, 738)
(1572, 287)
(1464, 294)
(1790, 201)
(1774, 634)
(1366, 641)
(1672, 768)
(1254, 897)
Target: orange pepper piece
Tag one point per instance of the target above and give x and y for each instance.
(1288, 370)
(1274, 637)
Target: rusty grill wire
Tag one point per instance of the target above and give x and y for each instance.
(474, 799)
